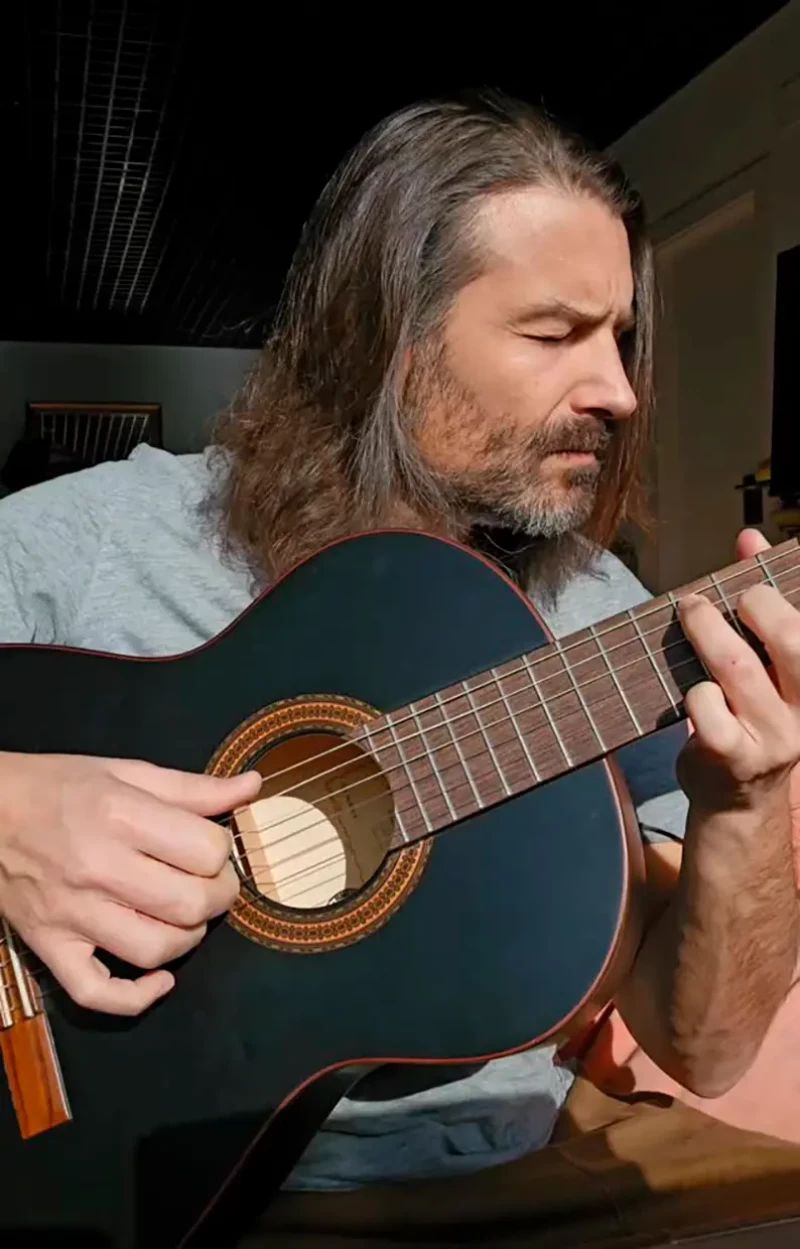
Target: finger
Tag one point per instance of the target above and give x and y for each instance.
(197, 792)
(164, 892)
(137, 939)
(90, 984)
(223, 891)
(172, 835)
(731, 662)
(714, 724)
(751, 542)
(777, 623)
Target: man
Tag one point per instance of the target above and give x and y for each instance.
(464, 346)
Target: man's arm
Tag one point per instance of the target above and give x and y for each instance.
(717, 964)
(721, 951)
(154, 868)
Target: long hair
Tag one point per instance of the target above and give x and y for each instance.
(317, 443)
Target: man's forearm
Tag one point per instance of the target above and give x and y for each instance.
(718, 963)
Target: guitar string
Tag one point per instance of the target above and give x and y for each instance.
(763, 563)
(252, 880)
(528, 668)
(359, 806)
(316, 867)
(427, 753)
(436, 774)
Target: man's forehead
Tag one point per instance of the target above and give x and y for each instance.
(548, 247)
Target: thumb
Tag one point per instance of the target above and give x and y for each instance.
(89, 982)
(193, 791)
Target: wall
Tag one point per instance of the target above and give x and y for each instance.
(719, 168)
(191, 383)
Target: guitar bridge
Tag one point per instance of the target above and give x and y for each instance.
(27, 1047)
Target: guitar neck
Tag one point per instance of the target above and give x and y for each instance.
(545, 713)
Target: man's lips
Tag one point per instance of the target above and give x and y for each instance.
(572, 454)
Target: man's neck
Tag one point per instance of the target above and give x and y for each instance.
(401, 516)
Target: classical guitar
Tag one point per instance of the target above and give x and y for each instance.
(440, 868)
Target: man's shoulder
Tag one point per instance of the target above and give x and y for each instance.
(90, 546)
(602, 588)
(147, 482)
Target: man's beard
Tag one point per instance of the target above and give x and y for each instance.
(506, 489)
(509, 491)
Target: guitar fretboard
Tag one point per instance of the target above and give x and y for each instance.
(542, 714)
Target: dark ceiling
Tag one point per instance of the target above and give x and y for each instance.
(160, 155)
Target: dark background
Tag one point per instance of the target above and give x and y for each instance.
(159, 158)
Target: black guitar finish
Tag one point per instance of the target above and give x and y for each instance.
(506, 932)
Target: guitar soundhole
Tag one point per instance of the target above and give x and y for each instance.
(314, 849)
(321, 827)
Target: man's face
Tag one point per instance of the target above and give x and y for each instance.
(526, 392)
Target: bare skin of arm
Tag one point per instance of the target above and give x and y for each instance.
(721, 951)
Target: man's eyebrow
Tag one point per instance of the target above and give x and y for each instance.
(570, 312)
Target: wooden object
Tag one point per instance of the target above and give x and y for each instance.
(26, 1044)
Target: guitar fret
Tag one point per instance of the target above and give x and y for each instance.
(724, 599)
(18, 973)
(501, 776)
(766, 570)
(409, 774)
(613, 674)
(579, 692)
(398, 815)
(430, 757)
(674, 603)
(512, 717)
(652, 659)
(554, 727)
(457, 745)
(6, 1013)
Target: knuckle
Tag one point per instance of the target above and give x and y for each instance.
(216, 849)
(112, 808)
(83, 869)
(85, 993)
(231, 890)
(162, 943)
(754, 595)
(172, 944)
(697, 695)
(152, 954)
(185, 941)
(149, 956)
(225, 893)
(788, 754)
(192, 908)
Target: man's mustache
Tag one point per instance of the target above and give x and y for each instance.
(585, 435)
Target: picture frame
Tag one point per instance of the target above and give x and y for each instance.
(91, 433)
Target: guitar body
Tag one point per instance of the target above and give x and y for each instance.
(496, 935)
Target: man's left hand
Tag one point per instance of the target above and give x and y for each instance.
(746, 738)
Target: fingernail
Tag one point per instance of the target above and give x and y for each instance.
(690, 600)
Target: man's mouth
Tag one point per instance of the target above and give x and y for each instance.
(586, 442)
(574, 455)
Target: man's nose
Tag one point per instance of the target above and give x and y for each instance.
(605, 388)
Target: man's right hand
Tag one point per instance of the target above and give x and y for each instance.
(116, 855)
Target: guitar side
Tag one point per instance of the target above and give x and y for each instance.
(506, 932)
